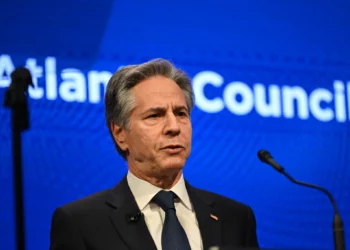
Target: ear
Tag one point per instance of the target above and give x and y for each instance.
(119, 136)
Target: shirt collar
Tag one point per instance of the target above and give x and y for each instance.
(144, 191)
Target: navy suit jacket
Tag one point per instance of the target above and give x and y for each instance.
(102, 222)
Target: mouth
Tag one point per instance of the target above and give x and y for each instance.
(173, 148)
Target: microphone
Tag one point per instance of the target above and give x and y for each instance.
(135, 218)
(338, 230)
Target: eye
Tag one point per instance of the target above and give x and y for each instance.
(155, 115)
(182, 113)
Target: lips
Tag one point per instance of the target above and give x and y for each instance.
(173, 146)
(173, 149)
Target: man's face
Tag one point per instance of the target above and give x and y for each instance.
(158, 140)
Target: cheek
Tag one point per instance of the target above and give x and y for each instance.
(187, 132)
(145, 140)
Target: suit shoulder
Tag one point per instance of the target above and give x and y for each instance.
(87, 203)
(221, 200)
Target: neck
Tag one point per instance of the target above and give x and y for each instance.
(161, 180)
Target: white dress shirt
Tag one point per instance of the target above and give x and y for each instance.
(144, 191)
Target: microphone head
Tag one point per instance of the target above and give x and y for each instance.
(264, 155)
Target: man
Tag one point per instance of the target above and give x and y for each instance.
(147, 110)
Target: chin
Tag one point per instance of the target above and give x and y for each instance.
(174, 164)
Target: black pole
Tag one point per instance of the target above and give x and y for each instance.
(16, 100)
(338, 232)
(18, 180)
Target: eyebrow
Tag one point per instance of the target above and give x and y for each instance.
(162, 109)
(179, 108)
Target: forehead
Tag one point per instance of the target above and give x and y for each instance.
(158, 90)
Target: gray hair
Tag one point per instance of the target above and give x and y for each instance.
(118, 99)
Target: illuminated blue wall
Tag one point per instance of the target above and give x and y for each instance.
(240, 54)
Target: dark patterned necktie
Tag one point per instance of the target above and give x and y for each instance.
(173, 235)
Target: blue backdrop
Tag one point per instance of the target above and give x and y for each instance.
(267, 74)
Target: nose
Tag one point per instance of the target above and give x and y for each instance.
(172, 126)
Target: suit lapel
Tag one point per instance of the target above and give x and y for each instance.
(208, 219)
(135, 234)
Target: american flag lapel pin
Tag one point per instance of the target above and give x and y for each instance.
(214, 217)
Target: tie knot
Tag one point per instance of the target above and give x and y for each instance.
(165, 199)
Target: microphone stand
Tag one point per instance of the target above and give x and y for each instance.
(16, 100)
(338, 230)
